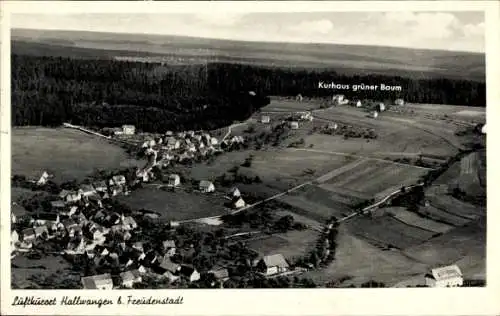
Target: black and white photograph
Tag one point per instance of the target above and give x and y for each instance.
(246, 150)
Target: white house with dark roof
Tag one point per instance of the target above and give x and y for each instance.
(265, 119)
(238, 203)
(174, 180)
(98, 282)
(448, 276)
(169, 247)
(128, 129)
(235, 192)
(87, 190)
(294, 125)
(206, 186)
(129, 278)
(273, 264)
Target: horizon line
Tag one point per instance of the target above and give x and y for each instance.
(254, 41)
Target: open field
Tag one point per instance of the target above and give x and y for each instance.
(457, 207)
(181, 50)
(178, 205)
(469, 174)
(461, 242)
(26, 272)
(414, 219)
(68, 154)
(291, 245)
(362, 262)
(443, 216)
(387, 231)
(372, 177)
(319, 204)
(279, 105)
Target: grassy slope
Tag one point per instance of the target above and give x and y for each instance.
(68, 154)
(344, 58)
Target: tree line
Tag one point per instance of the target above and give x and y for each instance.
(155, 97)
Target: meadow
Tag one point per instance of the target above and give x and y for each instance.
(67, 154)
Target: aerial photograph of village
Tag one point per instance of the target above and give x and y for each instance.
(248, 150)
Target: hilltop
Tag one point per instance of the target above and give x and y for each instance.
(347, 59)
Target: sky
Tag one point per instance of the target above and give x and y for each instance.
(455, 31)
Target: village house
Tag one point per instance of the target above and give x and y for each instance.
(186, 156)
(42, 232)
(100, 186)
(358, 104)
(306, 116)
(220, 275)
(399, 102)
(28, 235)
(206, 186)
(214, 141)
(381, 107)
(169, 269)
(138, 246)
(98, 282)
(273, 264)
(87, 190)
(234, 192)
(190, 273)
(169, 133)
(76, 246)
(128, 129)
(238, 203)
(169, 247)
(57, 205)
(265, 119)
(338, 99)
(69, 211)
(294, 125)
(14, 238)
(13, 218)
(448, 276)
(237, 140)
(118, 180)
(203, 152)
(128, 222)
(299, 97)
(51, 220)
(375, 114)
(70, 196)
(174, 180)
(332, 126)
(43, 179)
(129, 278)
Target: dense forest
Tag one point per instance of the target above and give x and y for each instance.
(154, 97)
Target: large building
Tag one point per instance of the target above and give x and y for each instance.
(449, 276)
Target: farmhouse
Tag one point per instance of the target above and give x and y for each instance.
(128, 129)
(338, 99)
(100, 186)
(294, 125)
(299, 97)
(117, 180)
(172, 143)
(169, 247)
(87, 190)
(449, 276)
(43, 179)
(234, 192)
(221, 274)
(375, 114)
(128, 222)
(98, 282)
(41, 231)
(49, 219)
(399, 102)
(129, 278)
(306, 116)
(273, 264)
(206, 186)
(238, 202)
(265, 119)
(332, 126)
(381, 107)
(358, 104)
